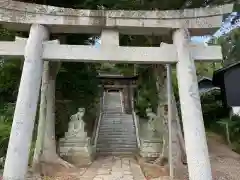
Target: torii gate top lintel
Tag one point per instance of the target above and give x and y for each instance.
(19, 16)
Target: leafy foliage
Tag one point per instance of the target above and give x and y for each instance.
(6, 112)
(78, 83)
(212, 107)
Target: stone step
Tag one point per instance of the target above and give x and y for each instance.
(105, 144)
(126, 150)
(103, 132)
(117, 125)
(116, 115)
(123, 129)
(113, 133)
(104, 153)
(117, 120)
(121, 114)
(112, 100)
(132, 139)
(111, 106)
(116, 135)
(109, 110)
(109, 133)
(118, 130)
(115, 147)
(113, 129)
(116, 142)
(108, 114)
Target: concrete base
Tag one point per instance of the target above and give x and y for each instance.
(77, 152)
(150, 148)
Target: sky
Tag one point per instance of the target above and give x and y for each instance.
(226, 28)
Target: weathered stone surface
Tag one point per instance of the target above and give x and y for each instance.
(75, 147)
(199, 21)
(16, 162)
(117, 131)
(151, 148)
(78, 53)
(195, 138)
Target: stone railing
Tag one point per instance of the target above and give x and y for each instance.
(97, 123)
(136, 122)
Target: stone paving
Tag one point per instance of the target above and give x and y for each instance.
(104, 168)
(113, 168)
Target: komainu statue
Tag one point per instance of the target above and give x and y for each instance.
(76, 124)
(152, 117)
(75, 147)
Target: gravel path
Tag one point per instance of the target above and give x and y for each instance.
(225, 163)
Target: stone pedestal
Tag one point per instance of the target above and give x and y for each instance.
(76, 151)
(150, 148)
(76, 147)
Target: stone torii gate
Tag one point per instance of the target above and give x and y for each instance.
(43, 20)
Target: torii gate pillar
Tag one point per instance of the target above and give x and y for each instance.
(195, 139)
(16, 163)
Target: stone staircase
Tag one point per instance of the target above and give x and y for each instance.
(116, 133)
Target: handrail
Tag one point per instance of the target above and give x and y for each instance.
(122, 104)
(99, 120)
(136, 122)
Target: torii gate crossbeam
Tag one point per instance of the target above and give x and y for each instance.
(166, 53)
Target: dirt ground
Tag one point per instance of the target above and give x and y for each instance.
(225, 163)
(225, 166)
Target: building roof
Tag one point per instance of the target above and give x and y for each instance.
(205, 85)
(116, 76)
(204, 78)
(218, 76)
